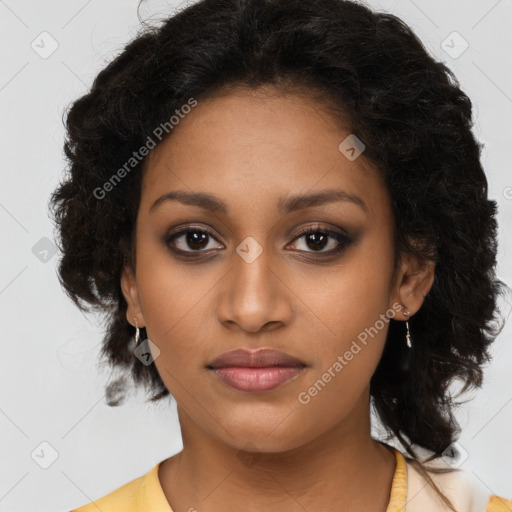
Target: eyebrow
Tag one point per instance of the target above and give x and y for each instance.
(285, 204)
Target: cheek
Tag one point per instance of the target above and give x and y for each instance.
(354, 310)
(177, 308)
(345, 365)
(170, 291)
(350, 297)
(167, 299)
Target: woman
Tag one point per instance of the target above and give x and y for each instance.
(270, 201)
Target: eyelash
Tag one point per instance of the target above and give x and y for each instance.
(343, 240)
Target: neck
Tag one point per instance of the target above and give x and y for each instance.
(209, 475)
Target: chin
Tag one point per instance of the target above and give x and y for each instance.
(266, 437)
(261, 445)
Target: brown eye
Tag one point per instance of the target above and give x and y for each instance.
(316, 239)
(191, 240)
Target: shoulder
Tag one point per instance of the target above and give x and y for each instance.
(122, 498)
(141, 493)
(466, 493)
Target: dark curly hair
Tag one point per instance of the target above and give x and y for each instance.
(376, 76)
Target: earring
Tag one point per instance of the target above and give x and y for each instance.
(137, 332)
(408, 335)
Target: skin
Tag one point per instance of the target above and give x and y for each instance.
(250, 148)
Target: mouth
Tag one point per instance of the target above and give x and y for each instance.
(256, 371)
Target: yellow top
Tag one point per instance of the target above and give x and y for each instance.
(145, 494)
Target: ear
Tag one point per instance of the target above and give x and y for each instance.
(131, 295)
(412, 283)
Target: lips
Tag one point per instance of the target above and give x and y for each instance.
(262, 358)
(258, 371)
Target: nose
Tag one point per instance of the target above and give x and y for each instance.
(255, 297)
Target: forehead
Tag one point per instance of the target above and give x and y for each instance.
(259, 146)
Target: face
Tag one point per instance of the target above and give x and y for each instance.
(236, 271)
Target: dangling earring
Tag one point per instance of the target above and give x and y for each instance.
(137, 332)
(408, 335)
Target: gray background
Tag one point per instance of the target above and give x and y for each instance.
(51, 388)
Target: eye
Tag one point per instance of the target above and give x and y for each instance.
(317, 239)
(191, 240)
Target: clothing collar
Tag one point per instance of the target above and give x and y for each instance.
(398, 496)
